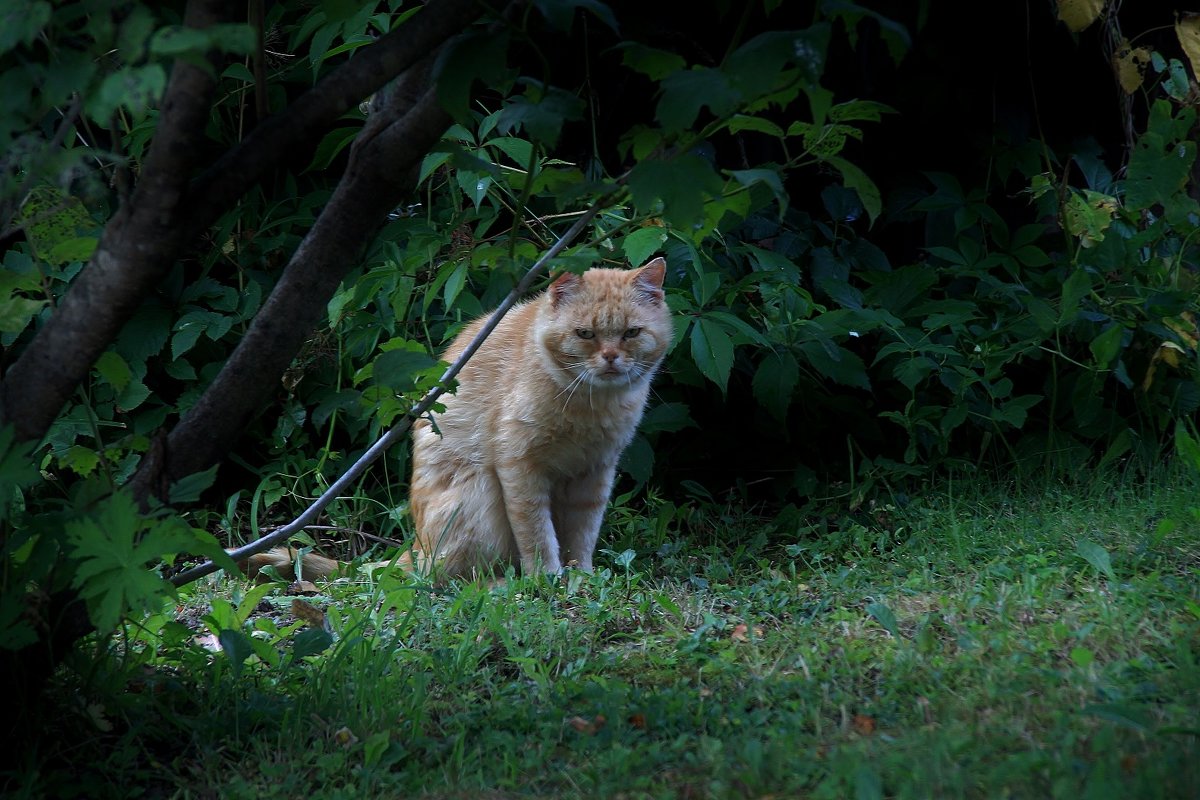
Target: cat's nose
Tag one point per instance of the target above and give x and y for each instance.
(610, 355)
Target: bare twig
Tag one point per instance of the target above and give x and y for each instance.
(283, 533)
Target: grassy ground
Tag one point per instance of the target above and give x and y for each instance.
(970, 643)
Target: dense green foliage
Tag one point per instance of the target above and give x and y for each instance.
(863, 339)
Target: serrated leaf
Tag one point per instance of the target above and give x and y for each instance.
(643, 243)
(712, 350)
(666, 417)
(685, 92)
(775, 382)
(480, 55)
(681, 184)
(854, 178)
(397, 369)
(114, 548)
(541, 113)
(650, 61)
(561, 13)
(637, 460)
(837, 363)
(80, 460)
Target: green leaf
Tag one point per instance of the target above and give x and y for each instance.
(859, 111)
(885, 617)
(743, 122)
(1159, 165)
(653, 63)
(666, 417)
(681, 184)
(479, 56)
(135, 88)
(177, 40)
(80, 460)
(1075, 288)
(837, 363)
(1097, 556)
(310, 642)
(398, 369)
(712, 350)
(775, 382)
(540, 112)
(769, 178)
(21, 21)
(237, 648)
(114, 370)
(637, 460)
(854, 178)
(16, 312)
(17, 468)
(643, 243)
(79, 248)
(114, 548)
(331, 144)
(561, 13)
(188, 488)
(1107, 345)
(1186, 447)
(685, 92)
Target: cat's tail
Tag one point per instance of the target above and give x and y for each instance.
(313, 567)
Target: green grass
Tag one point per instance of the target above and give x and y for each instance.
(970, 643)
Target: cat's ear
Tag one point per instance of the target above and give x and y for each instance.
(563, 287)
(649, 280)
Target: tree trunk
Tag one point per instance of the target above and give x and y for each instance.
(382, 171)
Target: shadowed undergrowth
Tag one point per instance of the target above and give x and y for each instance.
(973, 642)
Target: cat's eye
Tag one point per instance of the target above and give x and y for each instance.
(632, 332)
(584, 333)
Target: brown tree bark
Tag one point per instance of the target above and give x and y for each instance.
(165, 213)
(382, 171)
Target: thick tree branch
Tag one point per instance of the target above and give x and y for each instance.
(145, 237)
(382, 171)
(335, 94)
(137, 242)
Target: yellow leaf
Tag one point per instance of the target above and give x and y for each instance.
(1078, 14)
(1187, 28)
(1130, 66)
(1185, 326)
(1167, 353)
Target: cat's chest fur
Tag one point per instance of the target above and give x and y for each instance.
(574, 437)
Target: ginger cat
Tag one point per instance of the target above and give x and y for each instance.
(521, 463)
